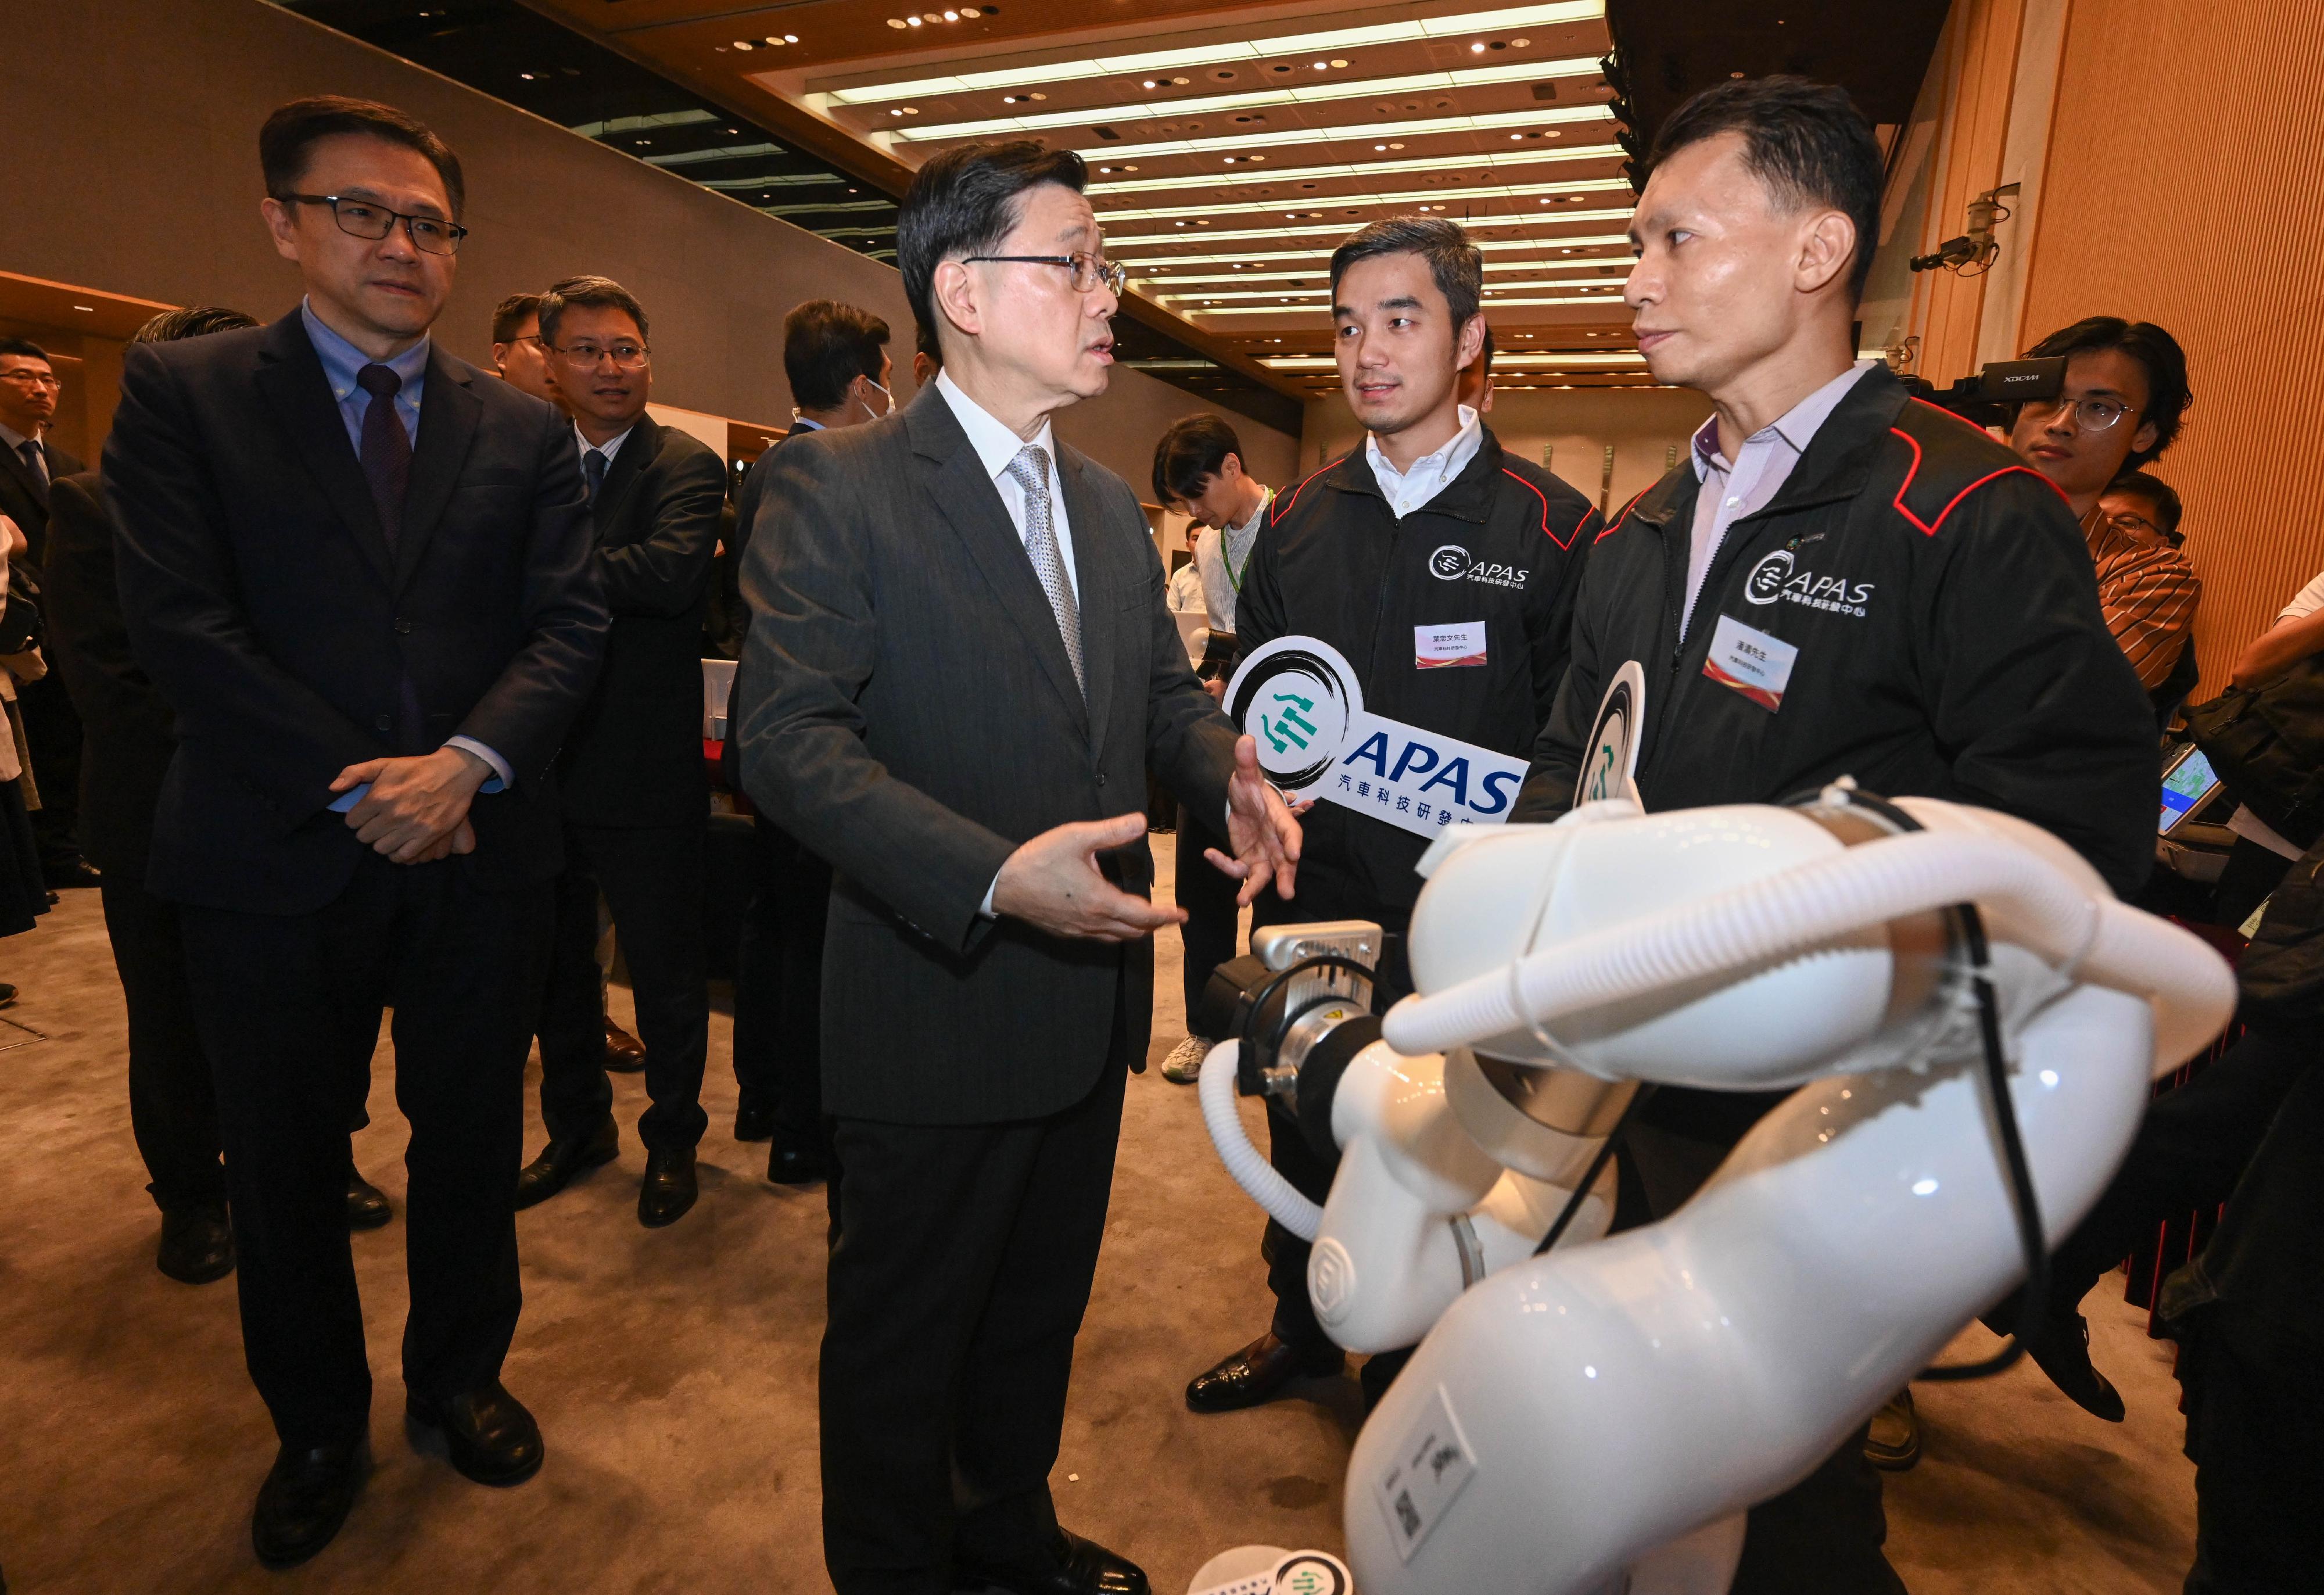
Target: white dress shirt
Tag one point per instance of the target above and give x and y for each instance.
(1432, 473)
(997, 444)
(1732, 491)
(14, 442)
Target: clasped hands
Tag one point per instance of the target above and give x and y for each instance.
(416, 810)
(1053, 883)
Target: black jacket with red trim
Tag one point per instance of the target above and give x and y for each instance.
(1950, 644)
(1503, 544)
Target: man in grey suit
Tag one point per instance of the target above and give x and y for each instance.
(959, 672)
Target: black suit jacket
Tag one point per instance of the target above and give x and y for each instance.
(261, 596)
(128, 732)
(909, 712)
(634, 756)
(26, 502)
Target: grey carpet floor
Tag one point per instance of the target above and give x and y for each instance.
(673, 1375)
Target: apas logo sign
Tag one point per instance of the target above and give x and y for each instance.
(1777, 576)
(1452, 563)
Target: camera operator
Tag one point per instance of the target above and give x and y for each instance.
(1835, 582)
(2124, 395)
(1444, 571)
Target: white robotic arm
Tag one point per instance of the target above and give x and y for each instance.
(1607, 1411)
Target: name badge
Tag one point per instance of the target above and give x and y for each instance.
(1438, 648)
(1752, 663)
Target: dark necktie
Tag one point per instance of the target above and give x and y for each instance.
(386, 448)
(593, 465)
(37, 463)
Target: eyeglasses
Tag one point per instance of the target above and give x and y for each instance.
(2138, 525)
(39, 379)
(624, 356)
(2090, 415)
(1089, 270)
(363, 219)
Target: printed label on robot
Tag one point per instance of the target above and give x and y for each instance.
(1752, 662)
(1427, 1472)
(1301, 701)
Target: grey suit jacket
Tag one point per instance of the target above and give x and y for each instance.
(909, 714)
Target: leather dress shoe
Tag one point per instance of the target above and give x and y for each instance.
(488, 1434)
(304, 1500)
(197, 1244)
(625, 1053)
(559, 1161)
(790, 1163)
(2062, 1351)
(670, 1188)
(753, 1124)
(70, 873)
(1072, 1566)
(367, 1204)
(1258, 1372)
(1893, 1442)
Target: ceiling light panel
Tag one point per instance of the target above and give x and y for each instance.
(1202, 55)
(1340, 229)
(1411, 196)
(1344, 88)
(1355, 133)
(1230, 287)
(1529, 358)
(1320, 252)
(1371, 169)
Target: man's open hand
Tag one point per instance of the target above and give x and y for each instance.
(416, 810)
(1052, 883)
(1262, 830)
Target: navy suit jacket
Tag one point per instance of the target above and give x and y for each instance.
(263, 599)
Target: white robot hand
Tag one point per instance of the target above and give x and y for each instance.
(1598, 1417)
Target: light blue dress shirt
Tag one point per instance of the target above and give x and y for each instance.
(341, 360)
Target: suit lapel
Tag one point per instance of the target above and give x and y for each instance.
(34, 488)
(1101, 617)
(448, 414)
(966, 500)
(289, 379)
(638, 451)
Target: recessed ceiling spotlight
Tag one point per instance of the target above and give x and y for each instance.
(1519, 43)
(1321, 65)
(1337, 61)
(897, 22)
(791, 38)
(526, 75)
(911, 22)
(86, 310)
(1380, 146)
(1477, 49)
(745, 45)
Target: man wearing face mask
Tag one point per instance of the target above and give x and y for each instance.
(836, 359)
(1835, 582)
(1444, 571)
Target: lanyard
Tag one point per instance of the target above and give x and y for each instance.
(1234, 577)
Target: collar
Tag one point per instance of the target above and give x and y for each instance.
(799, 423)
(609, 449)
(1795, 428)
(1446, 461)
(994, 442)
(341, 360)
(1237, 534)
(17, 440)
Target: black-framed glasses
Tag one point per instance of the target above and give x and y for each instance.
(625, 356)
(2092, 415)
(367, 218)
(1088, 270)
(38, 379)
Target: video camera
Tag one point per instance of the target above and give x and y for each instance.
(1990, 398)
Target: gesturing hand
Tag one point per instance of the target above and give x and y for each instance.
(416, 810)
(1052, 883)
(1263, 831)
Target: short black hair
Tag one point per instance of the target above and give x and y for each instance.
(827, 345)
(966, 202)
(1191, 450)
(197, 321)
(1805, 140)
(2157, 352)
(924, 342)
(1454, 264)
(2156, 492)
(598, 292)
(294, 129)
(25, 346)
(512, 313)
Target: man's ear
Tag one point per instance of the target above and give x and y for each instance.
(1825, 250)
(1471, 342)
(2143, 438)
(281, 227)
(955, 293)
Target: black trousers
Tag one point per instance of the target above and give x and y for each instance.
(651, 878)
(779, 986)
(2190, 1150)
(2255, 1398)
(53, 735)
(173, 1105)
(961, 1274)
(1213, 920)
(282, 1002)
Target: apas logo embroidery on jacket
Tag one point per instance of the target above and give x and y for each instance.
(1452, 563)
(1774, 577)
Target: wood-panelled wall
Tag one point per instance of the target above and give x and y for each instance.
(2185, 185)
(1977, 55)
